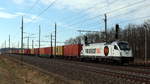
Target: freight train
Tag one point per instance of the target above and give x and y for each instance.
(116, 51)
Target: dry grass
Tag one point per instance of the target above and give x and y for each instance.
(13, 73)
(72, 73)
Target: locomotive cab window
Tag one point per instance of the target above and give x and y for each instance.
(115, 47)
(123, 46)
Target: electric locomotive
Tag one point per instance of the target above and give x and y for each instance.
(116, 51)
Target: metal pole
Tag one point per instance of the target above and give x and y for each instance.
(22, 41)
(39, 39)
(32, 44)
(105, 20)
(5, 44)
(9, 44)
(55, 37)
(117, 32)
(28, 42)
(145, 44)
(18, 44)
(51, 44)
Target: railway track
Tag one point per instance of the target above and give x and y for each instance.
(132, 74)
(124, 72)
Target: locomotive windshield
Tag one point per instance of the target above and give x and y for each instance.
(123, 46)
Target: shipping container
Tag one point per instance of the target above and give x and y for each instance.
(13, 51)
(17, 51)
(48, 50)
(27, 51)
(72, 50)
(20, 51)
(59, 51)
(9, 51)
(42, 51)
(23, 51)
(32, 51)
(36, 51)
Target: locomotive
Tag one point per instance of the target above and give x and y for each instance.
(117, 51)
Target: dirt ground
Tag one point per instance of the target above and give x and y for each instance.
(13, 73)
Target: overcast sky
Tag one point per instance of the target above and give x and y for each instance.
(70, 16)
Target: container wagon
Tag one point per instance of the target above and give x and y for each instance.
(48, 51)
(72, 51)
(59, 51)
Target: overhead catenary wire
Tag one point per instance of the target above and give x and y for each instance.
(85, 20)
(126, 6)
(102, 15)
(84, 10)
(138, 18)
(87, 9)
(129, 12)
(50, 5)
(36, 2)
